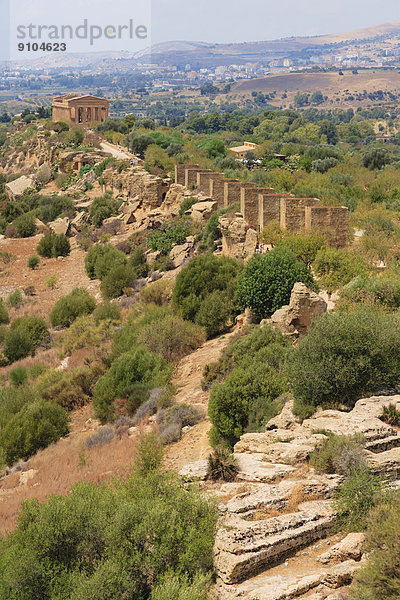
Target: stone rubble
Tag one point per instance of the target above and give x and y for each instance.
(278, 506)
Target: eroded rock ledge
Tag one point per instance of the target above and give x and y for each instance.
(279, 510)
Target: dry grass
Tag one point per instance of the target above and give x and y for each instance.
(62, 465)
(49, 358)
(296, 497)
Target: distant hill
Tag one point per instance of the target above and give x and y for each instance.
(202, 54)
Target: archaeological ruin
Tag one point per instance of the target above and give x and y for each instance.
(259, 206)
(79, 109)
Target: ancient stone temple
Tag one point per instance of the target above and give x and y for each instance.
(79, 109)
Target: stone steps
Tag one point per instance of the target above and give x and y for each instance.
(387, 463)
(256, 467)
(381, 445)
(277, 497)
(244, 548)
(281, 587)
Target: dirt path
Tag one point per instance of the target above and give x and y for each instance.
(194, 444)
(115, 151)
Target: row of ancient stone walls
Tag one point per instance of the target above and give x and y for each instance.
(261, 205)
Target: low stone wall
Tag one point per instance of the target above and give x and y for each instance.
(260, 206)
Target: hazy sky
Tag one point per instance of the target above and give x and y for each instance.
(206, 20)
(239, 21)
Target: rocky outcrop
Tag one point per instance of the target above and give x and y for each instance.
(41, 227)
(60, 226)
(202, 211)
(349, 548)
(75, 159)
(305, 305)
(245, 547)
(82, 184)
(16, 188)
(174, 198)
(277, 519)
(238, 239)
(136, 183)
(180, 253)
(44, 174)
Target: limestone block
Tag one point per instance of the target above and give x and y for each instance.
(60, 226)
(349, 548)
(244, 548)
(41, 227)
(254, 467)
(179, 254)
(195, 470)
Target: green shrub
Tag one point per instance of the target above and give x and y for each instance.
(70, 389)
(18, 376)
(79, 302)
(379, 578)
(337, 267)
(24, 336)
(14, 298)
(344, 357)
(215, 313)
(51, 281)
(259, 343)
(127, 336)
(179, 587)
(102, 208)
(51, 207)
(61, 245)
(339, 454)
(74, 137)
(231, 402)
(16, 345)
(84, 170)
(116, 280)
(25, 225)
(390, 415)
(35, 427)
(172, 337)
(137, 366)
(86, 333)
(52, 245)
(204, 275)
(186, 204)
(169, 235)
(106, 311)
(355, 497)
(138, 262)
(13, 399)
(45, 245)
(136, 538)
(33, 262)
(4, 318)
(268, 279)
(159, 293)
(373, 290)
(101, 258)
(305, 247)
(222, 465)
(36, 370)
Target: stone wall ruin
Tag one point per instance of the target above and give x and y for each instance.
(260, 206)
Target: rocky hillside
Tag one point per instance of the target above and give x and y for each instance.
(277, 536)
